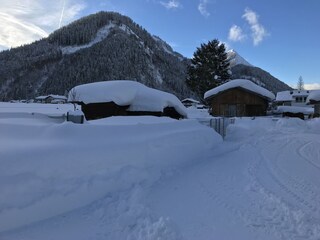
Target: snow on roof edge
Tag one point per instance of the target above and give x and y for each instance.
(242, 83)
(126, 93)
(314, 96)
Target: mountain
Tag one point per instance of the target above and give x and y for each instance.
(105, 46)
(236, 59)
(240, 68)
(99, 47)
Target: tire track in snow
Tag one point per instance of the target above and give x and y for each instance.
(292, 185)
(289, 221)
(303, 153)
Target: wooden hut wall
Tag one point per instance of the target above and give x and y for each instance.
(238, 102)
(103, 110)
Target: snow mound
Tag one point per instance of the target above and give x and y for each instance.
(292, 123)
(131, 120)
(314, 125)
(50, 169)
(126, 93)
(249, 127)
(294, 109)
(241, 83)
(314, 96)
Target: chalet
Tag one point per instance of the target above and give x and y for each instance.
(238, 98)
(314, 99)
(51, 99)
(296, 98)
(188, 102)
(124, 97)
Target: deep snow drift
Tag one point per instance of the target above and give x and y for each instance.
(50, 170)
(158, 178)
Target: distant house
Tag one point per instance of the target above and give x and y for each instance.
(124, 97)
(314, 99)
(238, 98)
(51, 99)
(188, 102)
(292, 98)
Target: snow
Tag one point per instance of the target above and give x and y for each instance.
(53, 170)
(100, 36)
(190, 100)
(236, 59)
(159, 178)
(314, 96)
(196, 113)
(242, 83)
(294, 109)
(125, 93)
(288, 96)
(50, 109)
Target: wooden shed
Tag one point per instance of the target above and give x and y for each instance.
(125, 98)
(238, 98)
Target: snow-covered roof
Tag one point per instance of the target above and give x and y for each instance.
(287, 96)
(242, 83)
(294, 109)
(126, 93)
(53, 96)
(314, 96)
(41, 97)
(190, 100)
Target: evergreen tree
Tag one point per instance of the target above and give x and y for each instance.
(300, 85)
(209, 67)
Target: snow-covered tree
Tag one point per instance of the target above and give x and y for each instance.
(300, 85)
(209, 67)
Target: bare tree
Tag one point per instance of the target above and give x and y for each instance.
(300, 85)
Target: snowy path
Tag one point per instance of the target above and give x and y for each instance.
(267, 189)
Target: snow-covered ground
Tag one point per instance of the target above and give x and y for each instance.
(158, 178)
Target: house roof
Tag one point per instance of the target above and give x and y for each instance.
(240, 83)
(287, 96)
(126, 93)
(190, 100)
(53, 96)
(314, 96)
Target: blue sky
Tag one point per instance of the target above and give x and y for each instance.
(282, 37)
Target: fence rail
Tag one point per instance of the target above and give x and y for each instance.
(219, 124)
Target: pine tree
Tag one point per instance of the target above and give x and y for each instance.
(209, 67)
(300, 85)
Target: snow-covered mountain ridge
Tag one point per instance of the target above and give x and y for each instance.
(99, 47)
(236, 59)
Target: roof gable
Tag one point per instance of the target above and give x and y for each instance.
(240, 83)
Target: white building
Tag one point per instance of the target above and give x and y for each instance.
(293, 98)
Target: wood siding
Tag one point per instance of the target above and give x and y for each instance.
(238, 102)
(102, 110)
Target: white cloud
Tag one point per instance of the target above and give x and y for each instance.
(236, 34)
(202, 7)
(172, 4)
(258, 31)
(23, 22)
(312, 86)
